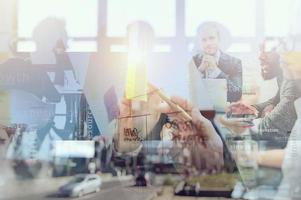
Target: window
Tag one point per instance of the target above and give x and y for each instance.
(278, 17)
(5, 27)
(159, 14)
(6, 10)
(80, 17)
(237, 15)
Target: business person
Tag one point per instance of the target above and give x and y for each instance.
(270, 69)
(211, 62)
(277, 116)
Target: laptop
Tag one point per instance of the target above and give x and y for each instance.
(216, 89)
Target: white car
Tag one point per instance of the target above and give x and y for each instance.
(80, 185)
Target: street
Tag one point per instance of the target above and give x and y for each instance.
(118, 192)
(111, 189)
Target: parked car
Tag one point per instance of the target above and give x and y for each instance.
(80, 185)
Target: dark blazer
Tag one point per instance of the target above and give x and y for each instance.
(231, 68)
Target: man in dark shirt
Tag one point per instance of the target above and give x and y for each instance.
(213, 63)
(270, 68)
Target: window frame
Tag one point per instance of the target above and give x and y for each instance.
(178, 40)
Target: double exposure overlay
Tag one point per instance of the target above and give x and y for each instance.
(150, 99)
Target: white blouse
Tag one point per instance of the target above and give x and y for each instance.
(290, 187)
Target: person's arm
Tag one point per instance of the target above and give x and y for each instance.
(271, 158)
(282, 118)
(271, 102)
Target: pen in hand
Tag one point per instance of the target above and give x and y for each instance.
(174, 106)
